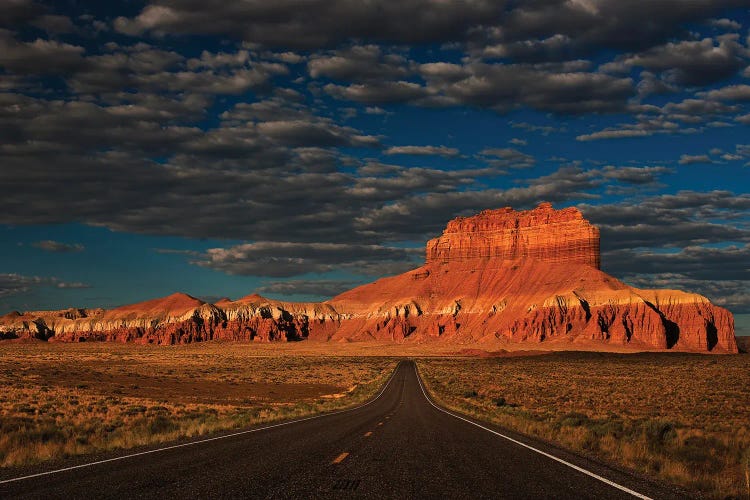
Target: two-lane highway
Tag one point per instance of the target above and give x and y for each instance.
(400, 445)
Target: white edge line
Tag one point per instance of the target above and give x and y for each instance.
(573, 466)
(193, 443)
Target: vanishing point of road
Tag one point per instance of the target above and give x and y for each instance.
(399, 445)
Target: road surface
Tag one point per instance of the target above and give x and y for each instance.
(400, 445)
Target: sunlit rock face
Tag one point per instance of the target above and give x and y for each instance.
(505, 277)
(545, 234)
(499, 278)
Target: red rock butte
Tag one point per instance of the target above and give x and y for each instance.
(561, 236)
(496, 279)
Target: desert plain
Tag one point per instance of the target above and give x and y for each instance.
(677, 418)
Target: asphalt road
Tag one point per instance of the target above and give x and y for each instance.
(399, 445)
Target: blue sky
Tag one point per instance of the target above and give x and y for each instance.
(299, 149)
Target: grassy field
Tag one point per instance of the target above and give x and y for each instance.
(682, 418)
(63, 400)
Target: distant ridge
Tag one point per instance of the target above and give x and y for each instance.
(171, 304)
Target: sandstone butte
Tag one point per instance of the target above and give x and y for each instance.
(497, 278)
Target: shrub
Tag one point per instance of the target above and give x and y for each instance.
(610, 427)
(134, 410)
(658, 433)
(45, 432)
(573, 419)
(699, 453)
(160, 425)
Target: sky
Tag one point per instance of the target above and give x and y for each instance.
(300, 148)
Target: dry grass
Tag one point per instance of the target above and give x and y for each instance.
(682, 418)
(63, 400)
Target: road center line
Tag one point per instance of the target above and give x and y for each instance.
(368, 434)
(340, 458)
(564, 462)
(207, 440)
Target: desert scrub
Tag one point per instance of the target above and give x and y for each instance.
(63, 400)
(679, 417)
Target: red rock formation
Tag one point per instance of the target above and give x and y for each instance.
(259, 319)
(499, 277)
(546, 234)
(504, 276)
(179, 319)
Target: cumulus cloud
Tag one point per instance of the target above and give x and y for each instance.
(278, 162)
(379, 183)
(689, 62)
(725, 24)
(58, 246)
(152, 69)
(530, 127)
(507, 158)
(535, 30)
(282, 259)
(687, 218)
(418, 216)
(635, 175)
(614, 133)
(317, 23)
(691, 159)
(323, 133)
(15, 284)
(384, 92)
(696, 262)
(504, 87)
(729, 93)
(375, 110)
(422, 150)
(39, 56)
(320, 288)
(71, 284)
(690, 115)
(358, 63)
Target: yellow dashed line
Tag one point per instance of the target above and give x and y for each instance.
(380, 423)
(340, 458)
(368, 434)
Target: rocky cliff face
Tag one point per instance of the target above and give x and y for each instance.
(561, 236)
(497, 278)
(564, 306)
